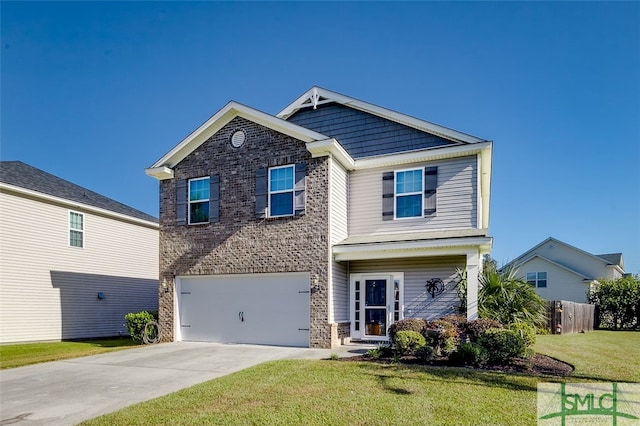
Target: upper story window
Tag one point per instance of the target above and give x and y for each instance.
(281, 191)
(199, 200)
(537, 279)
(408, 194)
(76, 229)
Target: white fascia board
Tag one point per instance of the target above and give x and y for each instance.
(76, 205)
(424, 155)
(160, 173)
(546, 259)
(331, 147)
(485, 159)
(380, 112)
(423, 248)
(224, 116)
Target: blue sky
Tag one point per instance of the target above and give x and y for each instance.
(95, 92)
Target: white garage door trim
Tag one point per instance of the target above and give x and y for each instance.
(270, 309)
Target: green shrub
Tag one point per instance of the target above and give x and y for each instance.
(469, 354)
(425, 353)
(478, 326)
(447, 337)
(526, 331)
(407, 324)
(618, 301)
(502, 344)
(380, 351)
(136, 322)
(407, 342)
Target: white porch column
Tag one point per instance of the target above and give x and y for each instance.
(473, 269)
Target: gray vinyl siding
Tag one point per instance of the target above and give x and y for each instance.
(338, 190)
(457, 200)
(35, 302)
(363, 134)
(417, 302)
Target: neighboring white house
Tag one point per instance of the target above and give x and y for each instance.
(72, 262)
(560, 271)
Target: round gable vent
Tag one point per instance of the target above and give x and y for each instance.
(238, 138)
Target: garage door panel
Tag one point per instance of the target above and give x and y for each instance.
(260, 308)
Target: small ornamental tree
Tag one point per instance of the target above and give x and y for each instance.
(618, 301)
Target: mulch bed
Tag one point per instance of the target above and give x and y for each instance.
(537, 365)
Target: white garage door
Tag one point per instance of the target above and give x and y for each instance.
(269, 309)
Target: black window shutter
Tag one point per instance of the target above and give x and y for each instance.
(387, 195)
(261, 193)
(430, 187)
(181, 202)
(299, 188)
(214, 198)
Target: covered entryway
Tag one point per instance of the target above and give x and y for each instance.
(268, 309)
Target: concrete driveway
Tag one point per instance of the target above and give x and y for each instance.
(68, 392)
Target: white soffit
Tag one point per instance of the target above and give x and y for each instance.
(219, 120)
(318, 96)
(390, 250)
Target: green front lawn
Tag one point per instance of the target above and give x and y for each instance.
(598, 355)
(18, 355)
(363, 393)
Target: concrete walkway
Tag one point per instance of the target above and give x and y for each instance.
(68, 392)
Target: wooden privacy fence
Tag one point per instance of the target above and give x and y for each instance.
(570, 317)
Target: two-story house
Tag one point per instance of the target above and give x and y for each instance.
(560, 271)
(73, 262)
(327, 222)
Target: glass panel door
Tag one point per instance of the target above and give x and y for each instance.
(375, 309)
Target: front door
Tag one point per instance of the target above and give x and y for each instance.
(376, 304)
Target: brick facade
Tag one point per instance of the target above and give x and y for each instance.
(239, 242)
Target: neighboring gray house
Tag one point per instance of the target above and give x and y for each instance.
(72, 262)
(324, 223)
(560, 271)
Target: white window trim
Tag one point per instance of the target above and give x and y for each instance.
(189, 201)
(396, 195)
(538, 279)
(391, 277)
(292, 191)
(81, 231)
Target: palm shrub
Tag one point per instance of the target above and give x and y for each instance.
(504, 297)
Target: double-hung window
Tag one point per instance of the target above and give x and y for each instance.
(281, 191)
(199, 200)
(76, 229)
(537, 279)
(409, 193)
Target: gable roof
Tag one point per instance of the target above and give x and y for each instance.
(546, 259)
(161, 168)
(21, 175)
(613, 259)
(528, 254)
(316, 97)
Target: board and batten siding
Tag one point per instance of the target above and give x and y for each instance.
(417, 302)
(49, 290)
(338, 222)
(456, 199)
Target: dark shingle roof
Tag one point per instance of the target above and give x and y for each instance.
(612, 258)
(19, 174)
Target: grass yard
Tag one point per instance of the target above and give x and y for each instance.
(296, 392)
(18, 355)
(597, 355)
